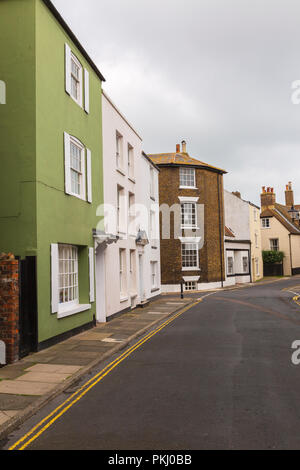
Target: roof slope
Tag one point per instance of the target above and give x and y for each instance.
(181, 159)
(229, 233)
(280, 212)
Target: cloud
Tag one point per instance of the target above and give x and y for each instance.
(217, 73)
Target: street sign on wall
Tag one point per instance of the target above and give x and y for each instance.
(2, 353)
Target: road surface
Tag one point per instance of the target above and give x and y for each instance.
(219, 376)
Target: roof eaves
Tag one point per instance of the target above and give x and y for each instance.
(72, 36)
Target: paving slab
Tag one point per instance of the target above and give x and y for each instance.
(15, 402)
(4, 418)
(43, 377)
(54, 368)
(18, 387)
(92, 336)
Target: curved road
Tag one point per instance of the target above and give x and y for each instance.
(220, 376)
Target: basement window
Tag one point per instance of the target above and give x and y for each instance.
(190, 285)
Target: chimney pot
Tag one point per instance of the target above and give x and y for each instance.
(178, 148)
(183, 143)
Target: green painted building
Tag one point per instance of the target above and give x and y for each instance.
(51, 162)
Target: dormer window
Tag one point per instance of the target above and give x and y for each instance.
(265, 222)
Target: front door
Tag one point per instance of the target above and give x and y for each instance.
(28, 322)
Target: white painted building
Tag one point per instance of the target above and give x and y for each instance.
(237, 239)
(127, 245)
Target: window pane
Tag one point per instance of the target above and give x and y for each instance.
(68, 273)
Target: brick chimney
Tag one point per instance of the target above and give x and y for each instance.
(183, 143)
(289, 195)
(268, 198)
(178, 148)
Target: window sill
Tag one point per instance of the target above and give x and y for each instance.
(82, 198)
(189, 228)
(73, 311)
(78, 102)
(122, 172)
(124, 299)
(191, 269)
(187, 187)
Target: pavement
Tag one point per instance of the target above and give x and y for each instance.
(29, 384)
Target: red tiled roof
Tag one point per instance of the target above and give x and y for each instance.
(180, 159)
(229, 233)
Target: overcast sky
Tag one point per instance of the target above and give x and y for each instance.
(217, 73)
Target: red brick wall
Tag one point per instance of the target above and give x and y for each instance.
(9, 308)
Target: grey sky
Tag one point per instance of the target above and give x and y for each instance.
(217, 73)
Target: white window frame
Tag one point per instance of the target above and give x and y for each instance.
(64, 272)
(230, 272)
(152, 183)
(78, 144)
(272, 244)
(265, 223)
(78, 99)
(154, 275)
(190, 286)
(184, 175)
(130, 160)
(183, 224)
(119, 151)
(195, 248)
(245, 271)
(123, 274)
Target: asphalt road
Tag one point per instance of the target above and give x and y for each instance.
(218, 377)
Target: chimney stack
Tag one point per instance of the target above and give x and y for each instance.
(183, 143)
(268, 198)
(289, 195)
(178, 148)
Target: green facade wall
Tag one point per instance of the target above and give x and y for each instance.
(51, 215)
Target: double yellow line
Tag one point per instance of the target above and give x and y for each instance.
(297, 299)
(49, 420)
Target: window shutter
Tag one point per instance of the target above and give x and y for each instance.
(86, 91)
(89, 175)
(68, 68)
(92, 275)
(67, 164)
(54, 278)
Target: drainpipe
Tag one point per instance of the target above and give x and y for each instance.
(220, 233)
(291, 256)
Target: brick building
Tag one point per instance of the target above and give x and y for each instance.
(191, 198)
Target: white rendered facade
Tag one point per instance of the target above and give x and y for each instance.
(128, 267)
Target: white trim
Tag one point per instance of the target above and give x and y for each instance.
(190, 239)
(191, 269)
(67, 141)
(54, 278)
(78, 63)
(89, 175)
(68, 69)
(187, 187)
(73, 311)
(191, 278)
(92, 275)
(188, 199)
(81, 196)
(86, 91)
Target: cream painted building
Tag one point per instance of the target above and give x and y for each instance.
(127, 244)
(243, 250)
(279, 232)
(257, 268)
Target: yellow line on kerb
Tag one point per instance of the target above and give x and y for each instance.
(75, 397)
